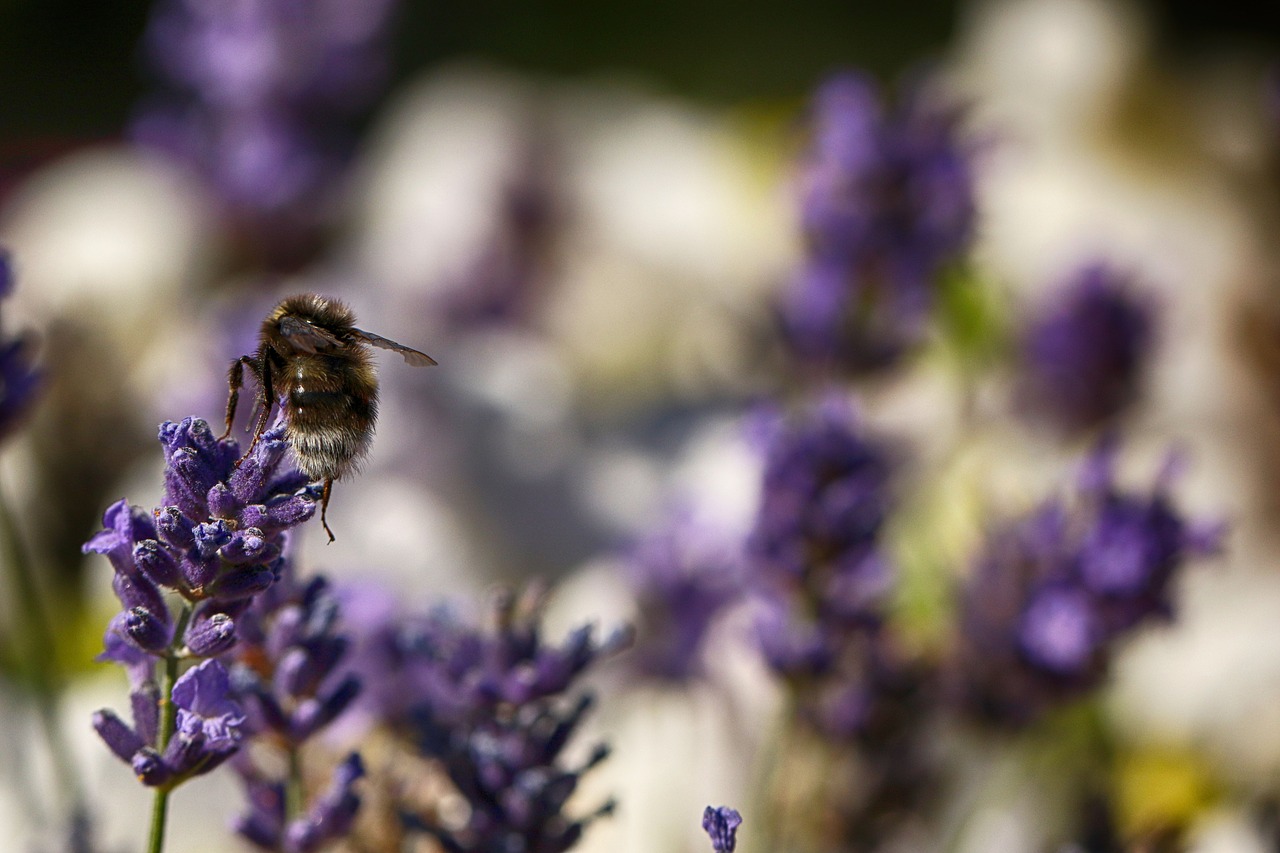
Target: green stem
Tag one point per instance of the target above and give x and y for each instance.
(168, 722)
(159, 813)
(294, 799)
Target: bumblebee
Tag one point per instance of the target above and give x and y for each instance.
(316, 364)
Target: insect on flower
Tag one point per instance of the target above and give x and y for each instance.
(314, 362)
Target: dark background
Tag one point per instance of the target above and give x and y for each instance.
(69, 69)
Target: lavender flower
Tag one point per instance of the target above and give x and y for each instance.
(260, 97)
(683, 575)
(817, 570)
(209, 728)
(286, 671)
(821, 582)
(721, 823)
(287, 664)
(20, 381)
(1084, 354)
(886, 203)
(490, 707)
(330, 816)
(216, 539)
(216, 542)
(1055, 593)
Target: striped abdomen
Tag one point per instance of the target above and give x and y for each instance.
(333, 404)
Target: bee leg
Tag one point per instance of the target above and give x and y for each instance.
(235, 380)
(324, 506)
(265, 404)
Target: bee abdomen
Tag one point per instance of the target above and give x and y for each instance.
(330, 431)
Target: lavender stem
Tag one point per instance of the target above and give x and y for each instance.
(168, 722)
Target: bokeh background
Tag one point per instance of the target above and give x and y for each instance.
(587, 213)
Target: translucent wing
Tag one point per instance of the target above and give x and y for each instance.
(306, 337)
(412, 356)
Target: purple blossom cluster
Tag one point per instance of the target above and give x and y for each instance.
(886, 203)
(683, 575)
(259, 97)
(20, 380)
(1083, 355)
(817, 568)
(1055, 593)
(287, 673)
(214, 542)
(491, 707)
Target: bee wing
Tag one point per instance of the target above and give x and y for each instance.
(307, 337)
(412, 356)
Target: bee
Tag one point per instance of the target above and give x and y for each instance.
(316, 364)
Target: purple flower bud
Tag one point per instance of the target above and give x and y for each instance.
(288, 512)
(20, 381)
(175, 528)
(222, 501)
(119, 649)
(198, 573)
(150, 768)
(135, 591)
(156, 563)
(209, 636)
(119, 738)
(147, 630)
(1054, 593)
(239, 583)
(721, 823)
(210, 537)
(144, 700)
(264, 823)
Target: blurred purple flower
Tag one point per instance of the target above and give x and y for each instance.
(721, 824)
(329, 816)
(886, 202)
(491, 707)
(508, 277)
(683, 576)
(259, 98)
(287, 672)
(1053, 594)
(20, 381)
(1084, 355)
(819, 576)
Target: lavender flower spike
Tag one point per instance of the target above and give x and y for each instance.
(1054, 593)
(683, 575)
(721, 823)
(259, 98)
(886, 202)
(490, 706)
